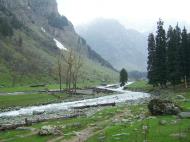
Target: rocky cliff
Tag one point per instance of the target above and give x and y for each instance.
(32, 27)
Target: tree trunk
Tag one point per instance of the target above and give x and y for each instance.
(60, 82)
(185, 81)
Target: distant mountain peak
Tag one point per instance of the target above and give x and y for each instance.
(120, 46)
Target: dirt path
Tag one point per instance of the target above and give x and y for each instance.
(85, 134)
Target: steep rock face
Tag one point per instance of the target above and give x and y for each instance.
(41, 7)
(45, 14)
(33, 41)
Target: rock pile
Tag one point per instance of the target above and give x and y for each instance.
(163, 107)
(49, 130)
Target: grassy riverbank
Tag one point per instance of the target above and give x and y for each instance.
(85, 84)
(169, 93)
(123, 123)
(28, 100)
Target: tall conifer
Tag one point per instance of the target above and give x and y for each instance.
(160, 61)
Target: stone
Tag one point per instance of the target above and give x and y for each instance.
(173, 122)
(151, 117)
(184, 114)
(179, 135)
(115, 121)
(38, 112)
(124, 120)
(49, 130)
(121, 134)
(92, 125)
(162, 122)
(181, 97)
(163, 107)
(145, 127)
(25, 128)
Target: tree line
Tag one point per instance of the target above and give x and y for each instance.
(169, 56)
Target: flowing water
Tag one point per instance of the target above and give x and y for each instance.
(120, 96)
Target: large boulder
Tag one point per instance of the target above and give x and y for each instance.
(163, 107)
(184, 114)
(49, 130)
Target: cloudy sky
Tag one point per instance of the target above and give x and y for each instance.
(136, 14)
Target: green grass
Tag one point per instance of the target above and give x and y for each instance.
(83, 84)
(68, 126)
(108, 131)
(140, 86)
(26, 100)
(169, 93)
(156, 132)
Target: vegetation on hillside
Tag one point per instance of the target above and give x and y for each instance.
(28, 55)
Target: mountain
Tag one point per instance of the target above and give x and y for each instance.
(31, 35)
(120, 46)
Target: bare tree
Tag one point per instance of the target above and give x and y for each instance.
(60, 69)
(68, 59)
(78, 63)
(73, 64)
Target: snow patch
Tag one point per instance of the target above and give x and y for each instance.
(59, 44)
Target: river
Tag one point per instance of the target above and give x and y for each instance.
(120, 96)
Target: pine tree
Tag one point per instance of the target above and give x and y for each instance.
(151, 59)
(160, 60)
(188, 58)
(184, 64)
(123, 77)
(173, 54)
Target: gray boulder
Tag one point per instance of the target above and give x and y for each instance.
(163, 107)
(49, 130)
(38, 112)
(180, 97)
(162, 122)
(184, 114)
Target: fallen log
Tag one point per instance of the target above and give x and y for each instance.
(96, 105)
(102, 90)
(5, 127)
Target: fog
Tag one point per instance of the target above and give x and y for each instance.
(135, 14)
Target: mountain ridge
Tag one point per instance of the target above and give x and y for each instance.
(108, 35)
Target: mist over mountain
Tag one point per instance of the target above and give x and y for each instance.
(120, 46)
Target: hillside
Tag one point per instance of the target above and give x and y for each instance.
(120, 46)
(31, 35)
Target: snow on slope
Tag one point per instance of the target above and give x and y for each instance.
(59, 44)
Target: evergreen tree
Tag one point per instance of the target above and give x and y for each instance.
(160, 60)
(173, 46)
(151, 59)
(123, 77)
(185, 57)
(188, 58)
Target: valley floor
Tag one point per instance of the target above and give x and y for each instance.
(122, 123)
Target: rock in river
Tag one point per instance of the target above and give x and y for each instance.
(38, 112)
